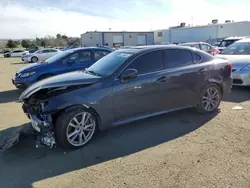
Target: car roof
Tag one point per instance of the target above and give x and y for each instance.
(90, 48)
(235, 38)
(139, 49)
(192, 43)
(243, 40)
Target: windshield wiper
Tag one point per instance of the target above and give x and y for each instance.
(93, 72)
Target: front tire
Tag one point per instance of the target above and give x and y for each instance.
(210, 99)
(75, 128)
(34, 59)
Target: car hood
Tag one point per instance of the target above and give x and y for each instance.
(238, 61)
(32, 67)
(67, 79)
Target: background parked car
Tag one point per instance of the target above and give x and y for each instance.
(239, 54)
(40, 55)
(228, 41)
(202, 46)
(16, 53)
(67, 61)
(32, 49)
(125, 86)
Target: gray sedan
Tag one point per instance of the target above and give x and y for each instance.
(124, 86)
(238, 54)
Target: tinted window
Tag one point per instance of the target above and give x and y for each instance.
(99, 54)
(238, 48)
(51, 50)
(149, 62)
(17, 51)
(45, 51)
(226, 43)
(178, 58)
(205, 47)
(81, 57)
(197, 46)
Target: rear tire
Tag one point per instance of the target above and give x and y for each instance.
(210, 99)
(75, 128)
(34, 59)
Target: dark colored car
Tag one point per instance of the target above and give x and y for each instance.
(67, 61)
(125, 86)
(202, 46)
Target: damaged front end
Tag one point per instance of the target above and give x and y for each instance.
(42, 123)
(43, 101)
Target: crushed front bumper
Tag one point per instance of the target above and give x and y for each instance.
(42, 123)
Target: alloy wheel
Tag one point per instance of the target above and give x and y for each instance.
(211, 99)
(81, 129)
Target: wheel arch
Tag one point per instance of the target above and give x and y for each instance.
(75, 106)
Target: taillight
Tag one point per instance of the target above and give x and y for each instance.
(230, 67)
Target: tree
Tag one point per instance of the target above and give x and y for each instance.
(43, 43)
(64, 37)
(26, 43)
(11, 44)
(58, 36)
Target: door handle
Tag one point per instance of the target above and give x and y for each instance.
(162, 79)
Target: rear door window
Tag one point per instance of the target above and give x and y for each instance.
(45, 51)
(178, 58)
(98, 54)
(149, 62)
(81, 57)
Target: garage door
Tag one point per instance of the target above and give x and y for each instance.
(141, 39)
(117, 39)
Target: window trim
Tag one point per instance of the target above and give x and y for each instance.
(201, 57)
(164, 65)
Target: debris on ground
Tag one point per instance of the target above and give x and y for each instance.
(237, 108)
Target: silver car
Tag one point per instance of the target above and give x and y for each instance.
(238, 54)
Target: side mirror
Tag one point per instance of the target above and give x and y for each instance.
(128, 74)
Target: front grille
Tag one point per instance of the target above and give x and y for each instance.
(237, 81)
(32, 108)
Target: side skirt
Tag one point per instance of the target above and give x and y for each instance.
(147, 116)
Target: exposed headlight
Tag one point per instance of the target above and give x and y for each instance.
(247, 67)
(26, 74)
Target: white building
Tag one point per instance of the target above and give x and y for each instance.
(204, 33)
(116, 39)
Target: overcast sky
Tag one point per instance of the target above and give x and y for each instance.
(28, 18)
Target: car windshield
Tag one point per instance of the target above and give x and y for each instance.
(226, 43)
(109, 64)
(58, 56)
(238, 48)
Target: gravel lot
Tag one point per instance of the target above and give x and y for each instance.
(181, 149)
